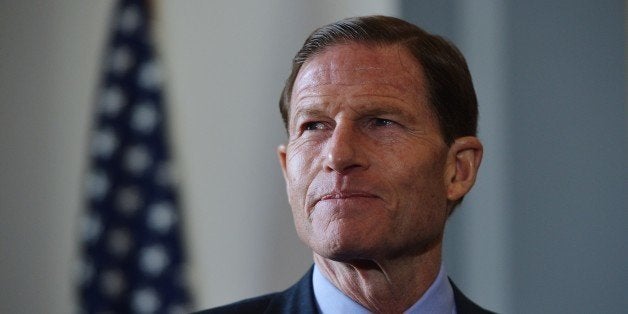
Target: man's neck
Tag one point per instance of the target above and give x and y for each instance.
(390, 286)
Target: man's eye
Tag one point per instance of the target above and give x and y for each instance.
(382, 122)
(313, 126)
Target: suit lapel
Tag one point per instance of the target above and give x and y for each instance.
(464, 305)
(297, 299)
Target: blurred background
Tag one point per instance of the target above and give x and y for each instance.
(544, 231)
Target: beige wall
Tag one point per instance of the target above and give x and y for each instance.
(225, 62)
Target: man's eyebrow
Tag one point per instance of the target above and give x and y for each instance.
(366, 110)
(381, 110)
(308, 111)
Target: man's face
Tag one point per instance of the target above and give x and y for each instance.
(365, 164)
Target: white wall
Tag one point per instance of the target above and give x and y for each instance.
(226, 62)
(48, 59)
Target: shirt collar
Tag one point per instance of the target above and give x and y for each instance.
(439, 297)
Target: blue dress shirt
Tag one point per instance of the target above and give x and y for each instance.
(439, 297)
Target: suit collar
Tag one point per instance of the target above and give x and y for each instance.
(300, 299)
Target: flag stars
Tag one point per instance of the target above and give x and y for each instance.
(145, 300)
(111, 101)
(128, 200)
(112, 283)
(153, 260)
(144, 117)
(150, 75)
(129, 19)
(137, 159)
(104, 142)
(91, 227)
(121, 60)
(84, 272)
(119, 242)
(96, 184)
(161, 217)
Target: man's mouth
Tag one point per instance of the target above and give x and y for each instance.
(346, 195)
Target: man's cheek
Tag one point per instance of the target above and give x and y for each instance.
(298, 171)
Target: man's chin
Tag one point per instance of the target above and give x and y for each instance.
(359, 251)
(346, 252)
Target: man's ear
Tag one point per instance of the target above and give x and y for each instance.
(463, 162)
(281, 153)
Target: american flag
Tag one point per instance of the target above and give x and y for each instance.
(131, 246)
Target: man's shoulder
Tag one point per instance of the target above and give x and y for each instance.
(297, 299)
(300, 299)
(464, 305)
(251, 305)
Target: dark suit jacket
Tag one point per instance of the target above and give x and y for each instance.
(300, 299)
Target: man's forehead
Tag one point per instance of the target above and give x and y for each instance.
(359, 64)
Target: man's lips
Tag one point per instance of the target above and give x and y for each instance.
(339, 200)
(346, 195)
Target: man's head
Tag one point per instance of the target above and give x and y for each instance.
(375, 159)
(449, 86)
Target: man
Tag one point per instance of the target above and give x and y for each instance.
(381, 119)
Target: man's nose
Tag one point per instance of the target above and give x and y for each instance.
(344, 151)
